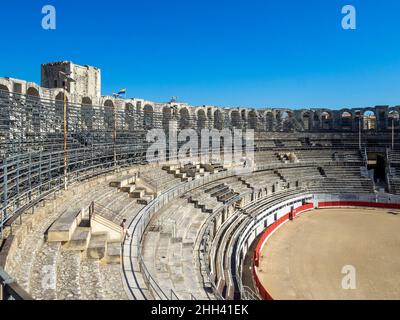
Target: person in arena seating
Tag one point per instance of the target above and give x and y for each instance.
(124, 230)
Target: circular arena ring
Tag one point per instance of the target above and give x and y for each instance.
(342, 250)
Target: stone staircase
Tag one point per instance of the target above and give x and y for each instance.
(191, 171)
(169, 251)
(61, 269)
(135, 188)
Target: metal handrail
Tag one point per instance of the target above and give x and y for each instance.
(144, 217)
(10, 290)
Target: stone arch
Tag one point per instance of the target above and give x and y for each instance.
(148, 116)
(60, 97)
(393, 118)
(109, 103)
(252, 119)
(184, 118)
(369, 120)
(4, 91)
(201, 119)
(284, 117)
(32, 92)
(326, 120)
(218, 120)
(346, 120)
(3, 87)
(86, 101)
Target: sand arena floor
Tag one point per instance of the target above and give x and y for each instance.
(304, 258)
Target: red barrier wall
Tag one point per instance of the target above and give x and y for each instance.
(359, 204)
(256, 256)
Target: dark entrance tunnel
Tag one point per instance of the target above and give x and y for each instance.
(377, 163)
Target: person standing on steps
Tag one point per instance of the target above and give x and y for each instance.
(124, 230)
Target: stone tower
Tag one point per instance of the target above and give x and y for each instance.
(87, 78)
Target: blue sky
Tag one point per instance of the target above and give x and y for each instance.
(286, 53)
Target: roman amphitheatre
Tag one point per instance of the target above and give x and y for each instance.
(319, 192)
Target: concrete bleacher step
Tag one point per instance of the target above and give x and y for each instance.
(79, 240)
(68, 277)
(129, 188)
(113, 253)
(90, 280)
(63, 228)
(137, 193)
(97, 246)
(171, 168)
(180, 175)
(123, 181)
(146, 199)
(44, 272)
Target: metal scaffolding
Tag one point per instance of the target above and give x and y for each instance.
(46, 143)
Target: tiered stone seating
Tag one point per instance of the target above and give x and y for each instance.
(169, 251)
(264, 144)
(188, 171)
(95, 235)
(144, 186)
(50, 270)
(222, 192)
(292, 143)
(341, 172)
(300, 174)
(219, 253)
(320, 143)
(119, 206)
(223, 241)
(204, 200)
(237, 185)
(267, 158)
(261, 180)
(214, 196)
(213, 167)
(341, 179)
(159, 179)
(394, 180)
(330, 155)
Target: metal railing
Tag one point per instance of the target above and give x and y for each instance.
(10, 290)
(140, 223)
(99, 140)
